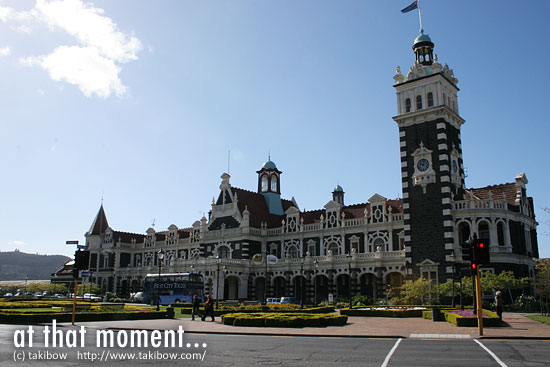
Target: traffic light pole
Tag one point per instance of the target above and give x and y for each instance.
(478, 299)
(74, 297)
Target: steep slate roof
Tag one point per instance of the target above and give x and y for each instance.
(482, 193)
(126, 237)
(259, 212)
(100, 223)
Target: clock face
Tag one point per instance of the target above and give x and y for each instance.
(455, 166)
(423, 165)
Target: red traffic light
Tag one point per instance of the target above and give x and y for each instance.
(481, 245)
(474, 266)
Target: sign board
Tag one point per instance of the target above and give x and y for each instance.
(272, 259)
(81, 247)
(86, 274)
(330, 298)
(71, 242)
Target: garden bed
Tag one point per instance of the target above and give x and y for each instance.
(467, 318)
(384, 311)
(295, 320)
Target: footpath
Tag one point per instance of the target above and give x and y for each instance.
(517, 327)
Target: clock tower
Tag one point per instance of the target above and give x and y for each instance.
(432, 171)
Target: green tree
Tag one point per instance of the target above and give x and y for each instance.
(413, 292)
(542, 284)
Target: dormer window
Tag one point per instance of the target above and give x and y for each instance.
(418, 102)
(430, 99)
(274, 183)
(408, 105)
(264, 184)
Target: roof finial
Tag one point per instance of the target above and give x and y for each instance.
(269, 154)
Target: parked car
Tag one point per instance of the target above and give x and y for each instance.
(137, 297)
(287, 300)
(8, 295)
(93, 297)
(58, 295)
(273, 300)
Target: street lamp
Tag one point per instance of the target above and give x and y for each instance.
(160, 257)
(302, 282)
(54, 283)
(26, 279)
(192, 268)
(218, 261)
(452, 258)
(349, 282)
(316, 263)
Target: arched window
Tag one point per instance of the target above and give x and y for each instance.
(500, 233)
(483, 230)
(264, 183)
(274, 183)
(334, 248)
(463, 232)
(430, 99)
(223, 252)
(408, 105)
(292, 252)
(418, 102)
(379, 245)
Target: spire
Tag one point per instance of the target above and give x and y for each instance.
(100, 223)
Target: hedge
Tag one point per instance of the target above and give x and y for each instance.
(381, 313)
(225, 310)
(272, 319)
(492, 319)
(38, 318)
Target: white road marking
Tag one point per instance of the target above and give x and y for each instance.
(388, 357)
(502, 364)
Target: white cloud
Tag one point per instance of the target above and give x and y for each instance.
(95, 64)
(16, 243)
(83, 67)
(90, 27)
(6, 51)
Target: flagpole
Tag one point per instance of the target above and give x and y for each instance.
(419, 14)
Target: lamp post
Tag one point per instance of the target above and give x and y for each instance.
(316, 263)
(54, 283)
(265, 278)
(160, 257)
(192, 268)
(452, 258)
(26, 279)
(218, 261)
(349, 282)
(302, 282)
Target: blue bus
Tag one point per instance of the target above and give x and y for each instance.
(172, 287)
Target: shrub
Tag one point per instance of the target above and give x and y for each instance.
(283, 319)
(382, 313)
(463, 318)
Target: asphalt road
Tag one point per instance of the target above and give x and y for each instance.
(244, 350)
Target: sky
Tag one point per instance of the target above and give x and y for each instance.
(137, 103)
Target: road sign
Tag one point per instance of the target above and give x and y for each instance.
(272, 259)
(86, 274)
(71, 242)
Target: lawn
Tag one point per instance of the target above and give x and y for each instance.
(539, 318)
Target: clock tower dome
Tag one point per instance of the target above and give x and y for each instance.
(431, 160)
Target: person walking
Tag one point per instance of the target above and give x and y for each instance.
(196, 307)
(498, 304)
(208, 308)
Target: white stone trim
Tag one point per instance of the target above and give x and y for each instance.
(445, 189)
(441, 125)
(445, 179)
(448, 223)
(446, 211)
(446, 201)
(449, 246)
(402, 134)
(403, 143)
(442, 136)
(405, 195)
(405, 205)
(449, 235)
(443, 157)
(442, 146)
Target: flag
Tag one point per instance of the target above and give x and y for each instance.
(411, 7)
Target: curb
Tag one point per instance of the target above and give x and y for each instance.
(514, 337)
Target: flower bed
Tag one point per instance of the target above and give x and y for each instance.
(384, 312)
(37, 318)
(283, 319)
(258, 308)
(468, 319)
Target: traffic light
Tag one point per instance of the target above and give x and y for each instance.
(473, 266)
(481, 252)
(81, 259)
(466, 251)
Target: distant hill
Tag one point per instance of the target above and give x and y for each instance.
(15, 265)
